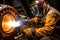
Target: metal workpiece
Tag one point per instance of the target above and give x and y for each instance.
(7, 13)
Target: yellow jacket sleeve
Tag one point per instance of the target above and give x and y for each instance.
(50, 23)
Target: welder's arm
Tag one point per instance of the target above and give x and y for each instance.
(50, 23)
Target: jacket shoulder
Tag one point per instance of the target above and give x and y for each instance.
(53, 10)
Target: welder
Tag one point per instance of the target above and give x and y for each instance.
(51, 17)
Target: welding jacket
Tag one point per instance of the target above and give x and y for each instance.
(51, 19)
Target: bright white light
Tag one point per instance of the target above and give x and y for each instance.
(16, 24)
(37, 1)
(13, 24)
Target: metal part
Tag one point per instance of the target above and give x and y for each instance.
(7, 13)
(7, 28)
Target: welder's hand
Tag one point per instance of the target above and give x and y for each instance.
(25, 30)
(23, 27)
(36, 20)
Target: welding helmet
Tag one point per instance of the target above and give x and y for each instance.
(37, 8)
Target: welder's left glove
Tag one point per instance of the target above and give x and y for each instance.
(23, 27)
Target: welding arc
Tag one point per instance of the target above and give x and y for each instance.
(7, 13)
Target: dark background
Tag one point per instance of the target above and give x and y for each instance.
(17, 6)
(11, 2)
